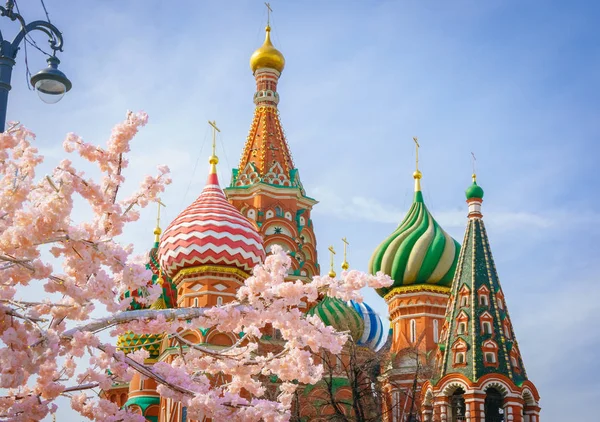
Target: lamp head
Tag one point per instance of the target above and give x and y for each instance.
(50, 83)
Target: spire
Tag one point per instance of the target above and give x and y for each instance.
(417, 174)
(331, 270)
(478, 337)
(266, 156)
(213, 160)
(345, 264)
(157, 230)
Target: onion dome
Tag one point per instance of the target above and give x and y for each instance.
(474, 191)
(419, 251)
(374, 336)
(210, 231)
(335, 313)
(130, 341)
(267, 55)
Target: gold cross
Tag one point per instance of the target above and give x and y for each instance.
(215, 130)
(269, 11)
(345, 264)
(331, 271)
(473, 160)
(417, 146)
(157, 230)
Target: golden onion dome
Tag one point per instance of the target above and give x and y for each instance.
(267, 55)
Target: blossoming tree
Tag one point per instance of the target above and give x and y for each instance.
(81, 266)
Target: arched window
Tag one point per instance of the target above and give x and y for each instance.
(490, 357)
(464, 300)
(483, 300)
(219, 300)
(413, 331)
(462, 328)
(486, 327)
(457, 403)
(507, 331)
(435, 331)
(195, 302)
(459, 357)
(494, 410)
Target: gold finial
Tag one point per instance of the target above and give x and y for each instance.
(345, 264)
(214, 160)
(267, 56)
(269, 11)
(417, 174)
(157, 230)
(331, 271)
(474, 176)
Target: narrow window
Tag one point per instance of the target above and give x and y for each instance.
(500, 303)
(219, 300)
(490, 357)
(413, 331)
(435, 331)
(462, 327)
(460, 357)
(513, 360)
(464, 301)
(506, 331)
(483, 300)
(487, 328)
(195, 302)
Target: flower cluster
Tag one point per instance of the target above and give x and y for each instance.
(43, 342)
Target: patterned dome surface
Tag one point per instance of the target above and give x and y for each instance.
(419, 251)
(210, 231)
(373, 336)
(335, 313)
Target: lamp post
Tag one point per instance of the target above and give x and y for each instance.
(50, 83)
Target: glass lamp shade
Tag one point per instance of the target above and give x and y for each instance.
(50, 83)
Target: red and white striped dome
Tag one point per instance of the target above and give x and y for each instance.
(210, 231)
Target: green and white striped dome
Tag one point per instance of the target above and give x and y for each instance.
(335, 313)
(419, 251)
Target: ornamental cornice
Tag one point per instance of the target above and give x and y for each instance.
(209, 269)
(415, 289)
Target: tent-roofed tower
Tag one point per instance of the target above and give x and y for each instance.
(266, 185)
(479, 369)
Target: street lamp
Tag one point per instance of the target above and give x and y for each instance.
(50, 83)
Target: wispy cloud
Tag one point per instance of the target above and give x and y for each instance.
(361, 208)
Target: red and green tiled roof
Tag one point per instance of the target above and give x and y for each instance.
(419, 251)
(476, 276)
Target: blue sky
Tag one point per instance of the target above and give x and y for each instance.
(515, 82)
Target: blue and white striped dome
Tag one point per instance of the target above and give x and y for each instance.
(374, 336)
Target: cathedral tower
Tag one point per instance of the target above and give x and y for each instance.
(421, 259)
(266, 186)
(480, 374)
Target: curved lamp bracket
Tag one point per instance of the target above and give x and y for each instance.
(11, 49)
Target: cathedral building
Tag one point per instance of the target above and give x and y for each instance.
(451, 355)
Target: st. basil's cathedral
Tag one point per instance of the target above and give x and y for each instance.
(451, 351)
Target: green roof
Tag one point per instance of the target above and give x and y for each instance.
(476, 275)
(474, 191)
(335, 313)
(419, 251)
